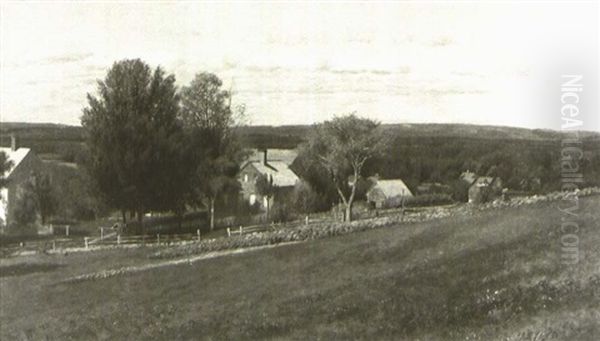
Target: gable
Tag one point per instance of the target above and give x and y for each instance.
(22, 159)
(390, 188)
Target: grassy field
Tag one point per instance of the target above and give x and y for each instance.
(493, 276)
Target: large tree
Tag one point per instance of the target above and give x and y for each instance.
(210, 121)
(342, 147)
(135, 139)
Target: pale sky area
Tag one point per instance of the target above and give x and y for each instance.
(490, 63)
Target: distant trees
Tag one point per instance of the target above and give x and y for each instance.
(135, 139)
(209, 121)
(153, 148)
(342, 146)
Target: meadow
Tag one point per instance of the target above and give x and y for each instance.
(495, 275)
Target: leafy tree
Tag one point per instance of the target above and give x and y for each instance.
(210, 122)
(266, 188)
(342, 146)
(305, 199)
(26, 210)
(40, 185)
(135, 140)
(36, 197)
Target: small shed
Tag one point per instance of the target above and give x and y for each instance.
(388, 193)
(484, 189)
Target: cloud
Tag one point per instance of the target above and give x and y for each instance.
(69, 58)
(452, 91)
(442, 42)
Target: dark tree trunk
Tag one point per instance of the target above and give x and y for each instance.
(212, 213)
(124, 216)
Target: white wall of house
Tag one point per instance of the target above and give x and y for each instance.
(3, 205)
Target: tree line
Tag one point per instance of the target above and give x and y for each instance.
(154, 147)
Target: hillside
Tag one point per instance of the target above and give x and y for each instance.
(493, 276)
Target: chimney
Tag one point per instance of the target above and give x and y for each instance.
(265, 156)
(14, 142)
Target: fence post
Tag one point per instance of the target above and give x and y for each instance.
(228, 232)
(85, 240)
(240, 230)
(306, 220)
(54, 245)
(198, 234)
(118, 239)
(158, 238)
(67, 230)
(101, 233)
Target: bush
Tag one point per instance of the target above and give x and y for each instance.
(429, 200)
(282, 212)
(25, 215)
(460, 191)
(306, 200)
(169, 224)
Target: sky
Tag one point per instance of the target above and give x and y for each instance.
(495, 63)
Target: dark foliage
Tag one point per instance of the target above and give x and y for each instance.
(136, 145)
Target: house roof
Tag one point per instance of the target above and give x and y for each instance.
(282, 175)
(286, 156)
(468, 176)
(15, 157)
(392, 188)
(483, 181)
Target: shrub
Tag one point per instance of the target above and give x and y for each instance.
(282, 211)
(460, 191)
(306, 200)
(429, 200)
(329, 229)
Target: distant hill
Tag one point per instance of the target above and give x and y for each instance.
(419, 152)
(291, 135)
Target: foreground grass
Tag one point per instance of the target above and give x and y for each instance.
(495, 275)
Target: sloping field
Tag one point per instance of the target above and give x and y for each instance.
(495, 275)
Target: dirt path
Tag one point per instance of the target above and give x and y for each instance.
(145, 267)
